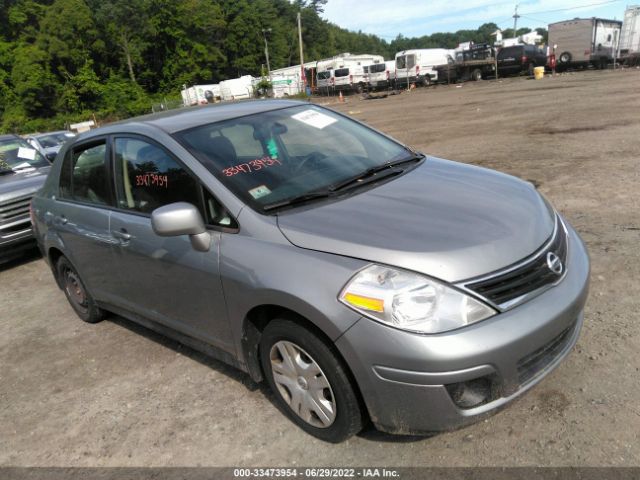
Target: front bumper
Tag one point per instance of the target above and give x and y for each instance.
(15, 238)
(402, 375)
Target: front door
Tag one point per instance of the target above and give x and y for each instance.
(163, 278)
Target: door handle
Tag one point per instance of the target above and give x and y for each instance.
(61, 219)
(122, 235)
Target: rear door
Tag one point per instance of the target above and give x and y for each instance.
(164, 278)
(81, 215)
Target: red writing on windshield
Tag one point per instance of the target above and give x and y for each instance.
(252, 166)
(152, 180)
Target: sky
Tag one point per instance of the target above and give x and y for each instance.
(415, 18)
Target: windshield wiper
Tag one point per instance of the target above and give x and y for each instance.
(297, 200)
(6, 171)
(370, 173)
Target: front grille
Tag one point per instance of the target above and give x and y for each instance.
(16, 207)
(534, 364)
(504, 289)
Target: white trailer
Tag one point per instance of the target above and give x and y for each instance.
(237, 88)
(417, 66)
(584, 41)
(200, 94)
(286, 85)
(630, 34)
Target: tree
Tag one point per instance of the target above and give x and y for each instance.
(125, 22)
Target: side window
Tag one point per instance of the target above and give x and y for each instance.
(147, 177)
(84, 175)
(216, 214)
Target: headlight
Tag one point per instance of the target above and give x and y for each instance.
(411, 301)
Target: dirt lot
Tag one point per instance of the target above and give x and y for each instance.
(73, 394)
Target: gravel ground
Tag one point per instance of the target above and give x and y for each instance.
(115, 394)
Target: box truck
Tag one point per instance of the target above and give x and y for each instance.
(584, 41)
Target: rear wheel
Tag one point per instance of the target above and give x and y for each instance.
(310, 383)
(476, 75)
(77, 295)
(530, 69)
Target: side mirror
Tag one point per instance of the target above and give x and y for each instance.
(181, 218)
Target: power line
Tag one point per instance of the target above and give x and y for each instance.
(574, 8)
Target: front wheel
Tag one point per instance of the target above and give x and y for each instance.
(476, 75)
(310, 383)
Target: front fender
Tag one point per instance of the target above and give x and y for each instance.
(256, 272)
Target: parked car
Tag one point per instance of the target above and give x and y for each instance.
(360, 279)
(48, 144)
(520, 59)
(22, 172)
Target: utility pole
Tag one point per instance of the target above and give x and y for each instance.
(304, 77)
(515, 22)
(266, 50)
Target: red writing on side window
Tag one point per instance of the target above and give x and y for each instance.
(252, 166)
(152, 180)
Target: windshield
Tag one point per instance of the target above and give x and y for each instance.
(53, 139)
(274, 156)
(16, 154)
(341, 72)
(378, 67)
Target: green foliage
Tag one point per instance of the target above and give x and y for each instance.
(63, 61)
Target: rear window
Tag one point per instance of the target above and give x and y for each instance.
(406, 61)
(324, 75)
(378, 67)
(510, 52)
(341, 72)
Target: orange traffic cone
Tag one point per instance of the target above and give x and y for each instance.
(341, 98)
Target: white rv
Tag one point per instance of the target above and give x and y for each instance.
(416, 66)
(380, 75)
(344, 72)
(237, 88)
(584, 41)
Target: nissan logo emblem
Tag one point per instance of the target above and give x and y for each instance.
(554, 263)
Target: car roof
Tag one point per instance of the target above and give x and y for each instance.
(8, 136)
(44, 134)
(176, 120)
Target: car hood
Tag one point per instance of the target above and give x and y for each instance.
(14, 185)
(445, 219)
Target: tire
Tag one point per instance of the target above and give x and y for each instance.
(565, 57)
(303, 361)
(476, 75)
(77, 295)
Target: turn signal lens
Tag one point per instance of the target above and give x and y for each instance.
(366, 303)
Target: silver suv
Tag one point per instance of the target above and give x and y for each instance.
(361, 280)
(22, 172)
